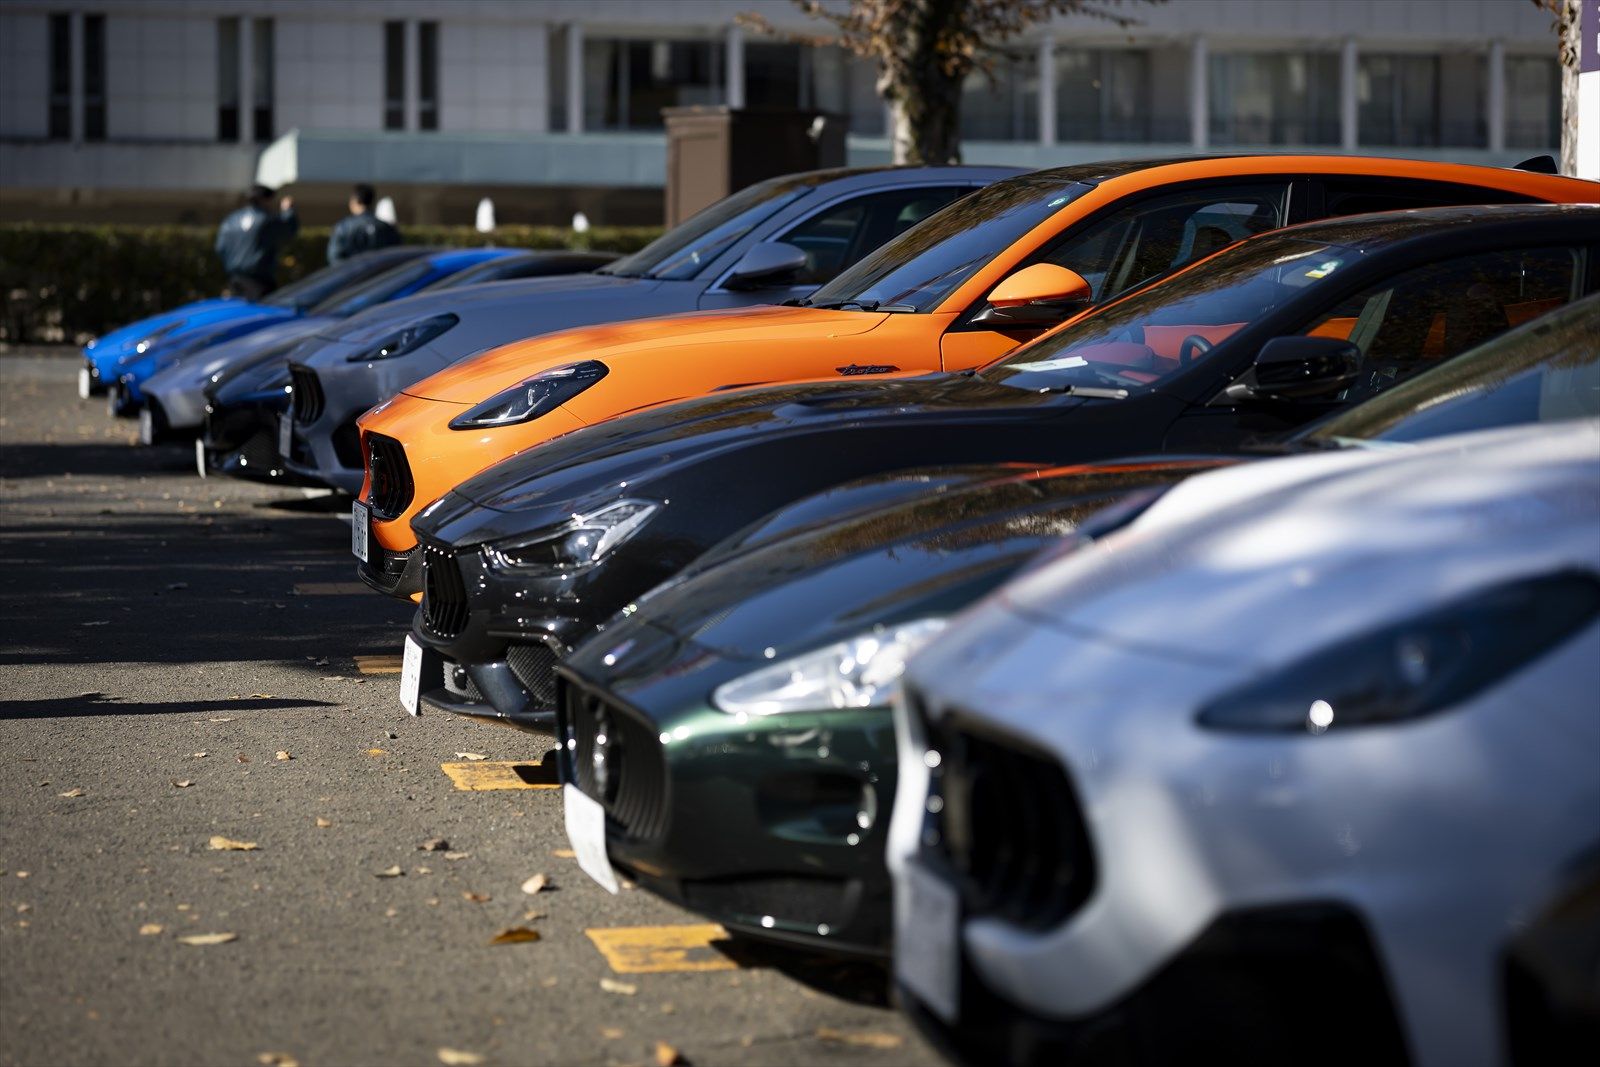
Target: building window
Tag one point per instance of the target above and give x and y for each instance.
(1002, 104)
(428, 75)
(778, 75)
(394, 75)
(628, 82)
(60, 125)
(843, 84)
(1274, 98)
(94, 77)
(1398, 100)
(1105, 95)
(261, 52)
(228, 79)
(1533, 102)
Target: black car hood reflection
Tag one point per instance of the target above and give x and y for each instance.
(619, 458)
(923, 557)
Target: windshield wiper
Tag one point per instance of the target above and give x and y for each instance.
(1086, 390)
(841, 305)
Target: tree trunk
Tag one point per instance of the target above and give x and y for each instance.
(1571, 57)
(922, 86)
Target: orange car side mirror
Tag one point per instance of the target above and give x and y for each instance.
(1036, 296)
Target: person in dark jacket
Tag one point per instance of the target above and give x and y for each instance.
(361, 230)
(249, 239)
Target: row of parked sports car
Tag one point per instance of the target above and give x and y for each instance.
(1144, 597)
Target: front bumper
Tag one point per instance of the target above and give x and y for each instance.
(242, 441)
(1270, 986)
(773, 827)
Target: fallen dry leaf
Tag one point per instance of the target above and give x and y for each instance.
(376, 752)
(227, 719)
(72, 793)
(457, 855)
(476, 898)
(563, 853)
(454, 1057)
(514, 935)
(611, 985)
(530, 916)
(471, 756)
(223, 844)
(201, 755)
(667, 1056)
(324, 823)
(277, 1059)
(534, 884)
(209, 939)
(434, 844)
(861, 1038)
(260, 696)
(150, 929)
(282, 755)
(391, 872)
(183, 783)
(611, 1033)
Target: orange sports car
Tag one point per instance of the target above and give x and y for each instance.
(955, 291)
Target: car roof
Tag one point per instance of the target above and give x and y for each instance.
(1469, 223)
(870, 176)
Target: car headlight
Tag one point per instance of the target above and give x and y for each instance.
(578, 542)
(1425, 664)
(529, 399)
(405, 340)
(863, 672)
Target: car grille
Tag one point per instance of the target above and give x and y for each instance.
(533, 665)
(1009, 825)
(307, 401)
(634, 787)
(390, 475)
(444, 594)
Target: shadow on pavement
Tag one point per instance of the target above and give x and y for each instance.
(856, 980)
(96, 704)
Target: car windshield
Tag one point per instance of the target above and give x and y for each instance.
(386, 285)
(319, 285)
(683, 251)
(1544, 372)
(490, 270)
(918, 269)
(1138, 341)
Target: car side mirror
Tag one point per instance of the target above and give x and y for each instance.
(1041, 295)
(1299, 368)
(769, 263)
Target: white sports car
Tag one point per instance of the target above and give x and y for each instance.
(1301, 765)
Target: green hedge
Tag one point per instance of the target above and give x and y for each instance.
(67, 283)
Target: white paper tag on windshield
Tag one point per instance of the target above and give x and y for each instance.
(1064, 363)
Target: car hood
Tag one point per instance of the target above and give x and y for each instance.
(530, 300)
(219, 358)
(922, 557)
(135, 332)
(588, 467)
(617, 343)
(1276, 559)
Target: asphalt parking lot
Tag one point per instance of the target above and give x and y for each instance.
(190, 664)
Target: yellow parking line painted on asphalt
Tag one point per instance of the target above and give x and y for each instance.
(378, 664)
(660, 949)
(483, 775)
(330, 588)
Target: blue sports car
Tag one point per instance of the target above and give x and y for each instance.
(129, 371)
(101, 355)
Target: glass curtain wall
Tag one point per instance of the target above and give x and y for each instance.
(1270, 98)
(1533, 102)
(1107, 94)
(1398, 100)
(627, 82)
(1002, 104)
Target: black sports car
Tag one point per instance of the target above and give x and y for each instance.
(528, 558)
(748, 757)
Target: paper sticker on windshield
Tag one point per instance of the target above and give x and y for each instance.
(1064, 363)
(1322, 270)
